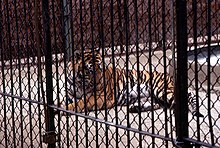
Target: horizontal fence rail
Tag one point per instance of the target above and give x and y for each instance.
(109, 73)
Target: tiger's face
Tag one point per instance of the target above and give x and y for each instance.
(84, 74)
(87, 69)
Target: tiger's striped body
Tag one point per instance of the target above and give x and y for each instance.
(104, 86)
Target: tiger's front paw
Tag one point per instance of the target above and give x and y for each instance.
(144, 107)
(63, 109)
(137, 109)
(74, 107)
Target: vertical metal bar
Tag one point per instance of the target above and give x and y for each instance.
(39, 77)
(28, 71)
(173, 49)
(120, 26)
(67, 28)
(94, 69)
(19, 70)
(104, 69)
(73, 72)
(48, 61)
(67, 117)
(142, 22)
(165, 69)
(150, 68)
(181, 110)
(1, 26)
(29, 94)
(138, 68)
(196, 63)
(11, 71)
(113, 64)
(5, 106)
(126, 15)
(83, 71)
(209, 71)
(3, 74)
(57, 73)
(173, 40)
(64, 46)
(156, 19)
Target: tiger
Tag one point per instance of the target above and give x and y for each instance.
(101, 86)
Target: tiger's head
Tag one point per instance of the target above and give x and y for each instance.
(87, 65)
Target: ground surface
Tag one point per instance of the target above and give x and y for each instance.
(29, 122)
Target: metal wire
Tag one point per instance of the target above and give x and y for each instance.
(38, 39)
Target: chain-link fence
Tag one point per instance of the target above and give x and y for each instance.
(54, 53)
(203, 70)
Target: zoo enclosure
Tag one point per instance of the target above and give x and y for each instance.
(61, 14)
(36, 41)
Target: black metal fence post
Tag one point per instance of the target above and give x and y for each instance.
(181, 111)
(50, 136)
(67, 27)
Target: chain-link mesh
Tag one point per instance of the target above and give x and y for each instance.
(22, 119)
(203, 69)
(129, 35)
